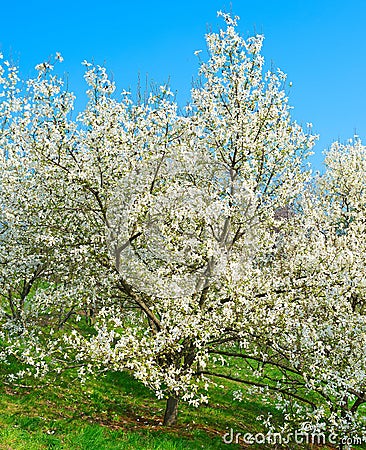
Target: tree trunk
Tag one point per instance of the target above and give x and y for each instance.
(171, 411)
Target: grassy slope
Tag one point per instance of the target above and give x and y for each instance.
(116, 412)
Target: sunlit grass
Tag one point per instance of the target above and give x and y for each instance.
(118, 412)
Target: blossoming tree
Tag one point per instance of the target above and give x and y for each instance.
(180, 238)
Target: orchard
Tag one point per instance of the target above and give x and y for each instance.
(184, 246)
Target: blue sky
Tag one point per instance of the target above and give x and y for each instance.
(320, 44)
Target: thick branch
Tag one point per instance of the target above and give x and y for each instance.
(261, 385)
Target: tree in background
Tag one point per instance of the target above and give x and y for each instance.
(300, 331)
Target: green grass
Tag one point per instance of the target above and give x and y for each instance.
(117, 412)
(110, 413)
